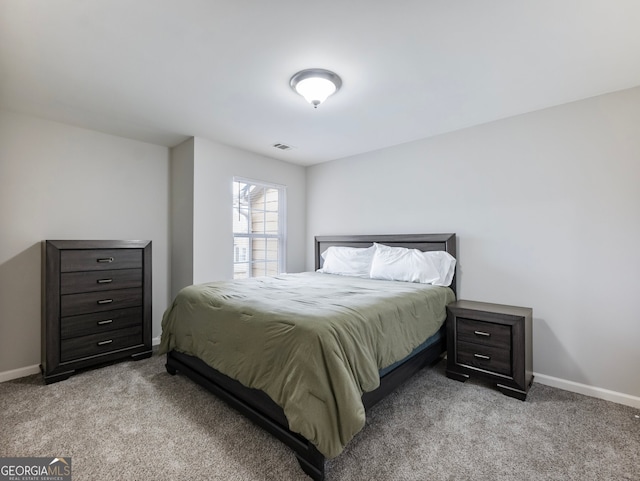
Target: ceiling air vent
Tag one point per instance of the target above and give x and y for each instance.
(282, 146)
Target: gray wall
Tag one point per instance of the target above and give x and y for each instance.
(63, 182)
(546, 207)
(208, 199)
(181, 215)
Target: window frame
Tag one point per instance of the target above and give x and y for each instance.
(280, 236)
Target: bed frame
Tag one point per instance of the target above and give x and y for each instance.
(259, 407)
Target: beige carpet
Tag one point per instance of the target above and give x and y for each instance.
(133, 421)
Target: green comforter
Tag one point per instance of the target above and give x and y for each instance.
(313, 342)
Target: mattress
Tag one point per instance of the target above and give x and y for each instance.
(313, 342)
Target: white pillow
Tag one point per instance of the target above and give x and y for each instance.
(412, 265)
(348, 261)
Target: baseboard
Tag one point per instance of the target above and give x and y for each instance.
(592, 391)
(155, 341)
(18, 373)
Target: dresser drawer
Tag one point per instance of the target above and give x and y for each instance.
(77, 326)
(484, 333)
(76, 282)
(100, 259)
(94, 344)
(76, 304)
(489, 358)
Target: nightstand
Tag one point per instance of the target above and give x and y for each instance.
(491, 341)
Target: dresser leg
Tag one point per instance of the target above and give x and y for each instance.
(141, 355)
(457, 376)
(511, 392)
(515, 393)
(48, 379)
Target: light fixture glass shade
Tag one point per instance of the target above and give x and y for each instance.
(315, 85)
(315, 90)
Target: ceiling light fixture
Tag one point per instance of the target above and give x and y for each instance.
(315, 85)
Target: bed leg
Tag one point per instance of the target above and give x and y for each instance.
(170, 369)
(312, 463)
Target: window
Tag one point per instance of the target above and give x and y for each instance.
(258, 228)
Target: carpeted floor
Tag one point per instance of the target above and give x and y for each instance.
(133, 421)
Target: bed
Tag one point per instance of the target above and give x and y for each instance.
(315, 409)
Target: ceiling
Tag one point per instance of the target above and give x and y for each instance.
(162, 71)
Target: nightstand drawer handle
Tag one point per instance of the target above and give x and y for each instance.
(106, 321)
(104, 343)
(105, 259)
(105, 281)
(105, 301)
(482, 333)
(482, 356)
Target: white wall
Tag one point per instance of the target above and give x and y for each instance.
(214, 165)
(546, 207)
(63, 182)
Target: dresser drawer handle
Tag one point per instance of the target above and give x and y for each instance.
(105, 301)
(482, 356)
(105, 259)
(105, 281)
(104, 343)
(482, 333)
(106, 321)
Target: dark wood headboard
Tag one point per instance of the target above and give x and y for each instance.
(423, 242)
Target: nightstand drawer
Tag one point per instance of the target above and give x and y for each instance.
(100, 259)
(88, 281)
(488, 358)
(484, 333)
(99, 322)
(75, 304)
(85, 346)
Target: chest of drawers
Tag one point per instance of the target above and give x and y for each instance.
(96, 304)
(492, 341)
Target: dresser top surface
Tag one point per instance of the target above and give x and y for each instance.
(98, 244)
(491, 308)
